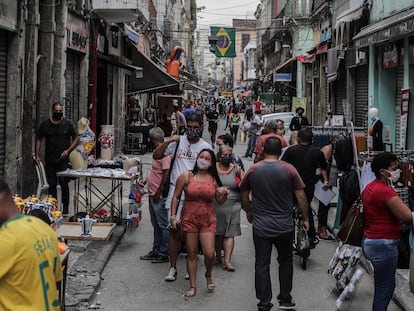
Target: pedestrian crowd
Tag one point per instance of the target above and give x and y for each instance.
(197, 191)
(208, 189)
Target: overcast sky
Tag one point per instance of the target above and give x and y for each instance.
(222, 12)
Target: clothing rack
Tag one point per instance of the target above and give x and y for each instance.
(402, 155)
(337, 130)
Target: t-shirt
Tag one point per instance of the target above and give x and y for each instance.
(261, 140)
(254, 124)
(188, 112)
(256, 106)
(29, 265)
(272, 184)
(305, 159)
(57, 137)
(156, 172)
(379, 222)
(186, 155)
(212, 118)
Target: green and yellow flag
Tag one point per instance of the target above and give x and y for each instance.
(226, 41)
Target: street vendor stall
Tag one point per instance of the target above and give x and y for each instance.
(94, 197)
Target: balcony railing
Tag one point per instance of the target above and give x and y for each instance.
(118, 11)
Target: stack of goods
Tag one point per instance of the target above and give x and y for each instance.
(48, 204)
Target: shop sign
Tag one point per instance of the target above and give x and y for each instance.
(76, 37)
(405, 99)
(388, 33)
(390, 56)
(282, 77)
(337, 120)
(8, 15)
(226, 94)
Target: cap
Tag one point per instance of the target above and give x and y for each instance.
(299, 108)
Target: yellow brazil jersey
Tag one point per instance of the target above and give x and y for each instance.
(29, 265)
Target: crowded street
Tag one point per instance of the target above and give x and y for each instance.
(129, 283)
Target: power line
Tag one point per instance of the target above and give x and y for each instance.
(233, 7)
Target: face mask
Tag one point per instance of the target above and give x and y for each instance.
(395, 175)
(203, 164)
(225, 161)
(57, 115)
(193, 133)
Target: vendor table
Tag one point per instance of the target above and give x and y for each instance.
(111, 199)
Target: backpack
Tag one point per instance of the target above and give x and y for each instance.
(343, 153)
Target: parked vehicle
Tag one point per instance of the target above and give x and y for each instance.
(284, 116)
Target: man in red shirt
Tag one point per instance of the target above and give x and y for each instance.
(159, 214)
(273, 128)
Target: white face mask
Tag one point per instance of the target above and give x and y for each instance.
(203, 164)
(395, 175)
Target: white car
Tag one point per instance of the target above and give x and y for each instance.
(284, 116)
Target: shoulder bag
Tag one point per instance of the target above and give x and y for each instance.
(352, 228)
(166, 185)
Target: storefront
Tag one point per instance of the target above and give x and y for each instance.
(390, 47)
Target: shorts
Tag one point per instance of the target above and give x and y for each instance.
(198, 222)
(212, 128)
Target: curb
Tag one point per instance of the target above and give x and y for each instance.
(84, 275)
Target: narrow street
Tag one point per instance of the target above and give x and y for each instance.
(133, 284)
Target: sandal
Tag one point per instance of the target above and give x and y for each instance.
(210, 285)
(191, 292)
(229, 268)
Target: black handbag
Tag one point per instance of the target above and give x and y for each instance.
(166, 184)
(352, 228)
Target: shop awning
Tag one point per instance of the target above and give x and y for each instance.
(390, 28)
(191, 86)
(333, 64)
(307, 59)
(154, 79)
(284, 63)
(353, 13)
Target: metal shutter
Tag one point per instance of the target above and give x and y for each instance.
(361, 96)
(340, 92)
(72, 76)
(399, 77)
(3, 87)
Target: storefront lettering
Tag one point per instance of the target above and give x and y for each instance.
(396, 30)
(77, 37)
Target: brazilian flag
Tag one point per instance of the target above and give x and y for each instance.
(226, 41)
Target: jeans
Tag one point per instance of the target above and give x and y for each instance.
(263, 249)
(251, 144)
(51, 168)
(159, 220)
(383, 255)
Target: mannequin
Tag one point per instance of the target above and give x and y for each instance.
(78, 157)
(375, 130)
(299, 120)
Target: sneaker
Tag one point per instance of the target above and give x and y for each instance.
(291, 305)
(160, 259)
(150, 256)
(186, 276)
(172, 275)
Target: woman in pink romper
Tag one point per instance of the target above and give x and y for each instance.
(198, 218)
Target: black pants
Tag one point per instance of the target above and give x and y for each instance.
(263, 249)
(323, 214)
(51, 169)
(309, 191)
(234, 129)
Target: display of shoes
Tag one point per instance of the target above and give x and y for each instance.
(150, 256)
(172, 275)
(160, 259)
(291, 305)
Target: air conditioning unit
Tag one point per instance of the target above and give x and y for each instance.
(277, 46)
